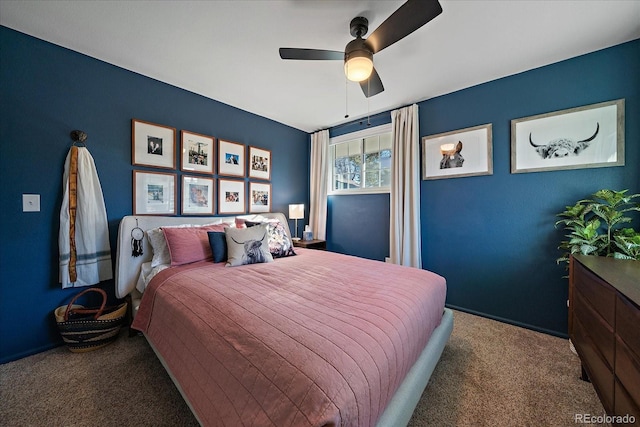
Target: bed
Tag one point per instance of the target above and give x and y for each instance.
(317, 338)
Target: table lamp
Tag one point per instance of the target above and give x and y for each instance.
(296, 212)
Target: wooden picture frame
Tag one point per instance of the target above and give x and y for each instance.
(590, 136)
(458, 153)
(197, 152)
(197, 195)
(259, 197)
(153, 145)
(231, 196)
(231, 158)
(154, 193)
(259, 163)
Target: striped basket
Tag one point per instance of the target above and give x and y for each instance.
(85, 329)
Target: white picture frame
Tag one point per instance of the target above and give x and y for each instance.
(197, 152)
(197, 195)
(231, 158)
(459, 153)
(259, 197)
(259, 163)
(231, 196)
(590, 136)
(153, 145)
(154, 193)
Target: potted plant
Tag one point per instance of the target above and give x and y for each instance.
(601, 226)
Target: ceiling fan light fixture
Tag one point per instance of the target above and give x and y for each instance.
(358, 61)
(358, 68)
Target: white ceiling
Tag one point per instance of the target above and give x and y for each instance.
(228, 50)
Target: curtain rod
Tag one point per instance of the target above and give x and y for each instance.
(359, 121)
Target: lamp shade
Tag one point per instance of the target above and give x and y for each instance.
(358, 68)
(358, 61)
(296, 211)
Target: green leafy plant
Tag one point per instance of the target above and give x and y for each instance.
(595, 226)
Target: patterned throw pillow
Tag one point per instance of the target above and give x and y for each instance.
(247, 245)
(279, 243)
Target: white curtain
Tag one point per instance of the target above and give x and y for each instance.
(404, 236)
(319, 159)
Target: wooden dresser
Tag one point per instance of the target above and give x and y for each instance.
(604, 326)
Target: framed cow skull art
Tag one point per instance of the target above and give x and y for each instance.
(591, 136)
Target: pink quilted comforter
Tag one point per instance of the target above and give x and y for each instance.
(317, 339)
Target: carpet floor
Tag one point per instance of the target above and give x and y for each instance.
(490, 374)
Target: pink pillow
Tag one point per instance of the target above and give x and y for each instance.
(187, 245)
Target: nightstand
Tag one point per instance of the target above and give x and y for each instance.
(311, 244)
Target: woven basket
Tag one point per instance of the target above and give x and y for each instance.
(85, 329)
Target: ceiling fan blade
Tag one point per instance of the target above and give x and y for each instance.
(310, 54)
(373, 85)
(404, 21)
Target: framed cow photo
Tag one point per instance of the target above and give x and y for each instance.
(591, 136)
(459, 153)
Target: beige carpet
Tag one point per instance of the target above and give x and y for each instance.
(490, 374)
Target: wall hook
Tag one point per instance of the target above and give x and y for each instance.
(78, 136)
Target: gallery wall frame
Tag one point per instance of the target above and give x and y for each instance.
(197, 195)
(153, 145)
(591, 136)
(197, 152)
(154, 193)
(458, 153)
(231, 158)
(231, 196)
(259, 197)
(259, 163)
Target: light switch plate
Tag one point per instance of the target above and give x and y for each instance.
(30, 203)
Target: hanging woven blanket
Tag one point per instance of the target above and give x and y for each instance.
(85, 253)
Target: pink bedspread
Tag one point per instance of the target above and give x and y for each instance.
(317, 339)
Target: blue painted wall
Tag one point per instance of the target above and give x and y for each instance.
(46, 92)
(492, 237)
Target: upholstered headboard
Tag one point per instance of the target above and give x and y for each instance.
(128, 266)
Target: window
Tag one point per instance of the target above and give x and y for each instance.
(360, 162)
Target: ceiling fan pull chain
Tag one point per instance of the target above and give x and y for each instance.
(368, 109)
(346, 98)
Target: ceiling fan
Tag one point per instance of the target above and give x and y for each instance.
(358, 54)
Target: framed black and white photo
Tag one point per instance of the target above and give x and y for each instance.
(591, 136)
(458, 153)
(259, 197)
(197, 195)
(231, 199)
(259, 163)
(154, 193)
(153, 145)
(197, 152)
(231, 158)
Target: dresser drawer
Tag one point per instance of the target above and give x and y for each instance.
(624, 404)
(628, 370)
(628, 324)
(600, 373)
(600, 333)
(600, 295)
